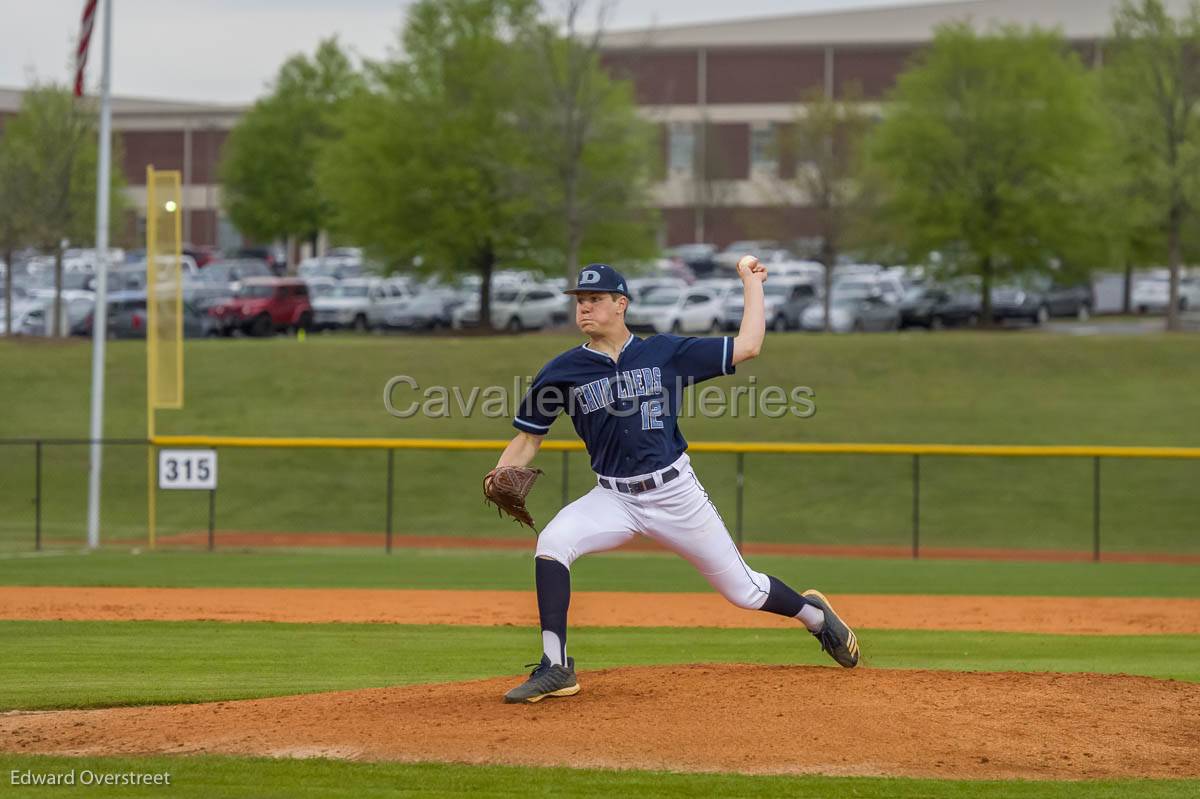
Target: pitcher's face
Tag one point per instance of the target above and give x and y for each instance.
(599, 312)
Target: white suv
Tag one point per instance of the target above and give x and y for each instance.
(1152, 294)
(515, 308)
(359, 303)
(674, 310)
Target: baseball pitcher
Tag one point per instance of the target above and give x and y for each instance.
(621, 393)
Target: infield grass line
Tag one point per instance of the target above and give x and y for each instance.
(97, 664)
(466, 569)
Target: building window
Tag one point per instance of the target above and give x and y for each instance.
(681, 148)
(764, 149)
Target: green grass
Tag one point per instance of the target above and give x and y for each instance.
(89, 664)
(971, 388)
(221, 777)
(621, 571)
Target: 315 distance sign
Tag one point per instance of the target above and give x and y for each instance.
(187, 468)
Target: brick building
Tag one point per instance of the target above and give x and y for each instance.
(170, 135)
(720, 93)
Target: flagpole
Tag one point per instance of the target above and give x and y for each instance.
(100, 313)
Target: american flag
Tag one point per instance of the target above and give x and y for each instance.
(85, 37)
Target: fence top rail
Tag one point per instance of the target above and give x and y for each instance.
(967, 450)
(29, 442)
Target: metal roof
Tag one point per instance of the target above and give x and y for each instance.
(914, 23)
(10, 101)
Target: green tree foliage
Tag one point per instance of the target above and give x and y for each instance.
(16, 181)
(54, 142)
(1152, 85)
(597, 154)
(984, 154)
(493, 140)
(432, 161)
(268, 167)
(825, 142)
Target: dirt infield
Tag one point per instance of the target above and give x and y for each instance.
(738, 718)
(235, 539)
(1064, 615)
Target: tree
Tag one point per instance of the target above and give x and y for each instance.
(1152, 84)
(825, 141)
(268, 168)
(1123, 229)
(984, 151)
(433, 160)
(597, 153)
(15, 221)
(55, 138)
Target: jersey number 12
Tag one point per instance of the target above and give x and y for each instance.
(652, 415)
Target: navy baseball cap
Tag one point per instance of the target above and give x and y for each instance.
(600, 277)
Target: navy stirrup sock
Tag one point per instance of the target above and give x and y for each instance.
(554, 598)
(783, 600)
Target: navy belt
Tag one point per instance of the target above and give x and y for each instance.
(638, 486)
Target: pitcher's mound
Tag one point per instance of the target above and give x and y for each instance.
(751, 719)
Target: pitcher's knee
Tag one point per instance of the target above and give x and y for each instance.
(747, 590)
(555, 547)
(747, 599)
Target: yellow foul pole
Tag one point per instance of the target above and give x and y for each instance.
(151, 354)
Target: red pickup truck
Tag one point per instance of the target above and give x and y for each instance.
(265, 305)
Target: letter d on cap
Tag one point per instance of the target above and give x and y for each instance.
(588, 277)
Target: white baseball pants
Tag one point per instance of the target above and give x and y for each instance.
(678, 515)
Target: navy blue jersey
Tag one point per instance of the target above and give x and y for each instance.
(626, 410)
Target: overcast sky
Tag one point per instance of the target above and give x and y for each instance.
(226, 51)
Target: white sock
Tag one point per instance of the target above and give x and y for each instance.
(556, 651)
(812, 616)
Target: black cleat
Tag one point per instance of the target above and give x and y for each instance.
(545, 680)
(836, 637)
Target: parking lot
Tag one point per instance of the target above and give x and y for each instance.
(688, 291)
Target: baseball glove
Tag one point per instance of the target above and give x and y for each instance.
(509, 487)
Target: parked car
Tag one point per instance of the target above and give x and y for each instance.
(331, 266)
(274, 257)
(851, 308)
(723, 287)
(349, 253)
(320, 286)
(812, 270)
(22, 324)
(889, 287)
(42, 284)
(729, 257)
(1067, 298)
(700, 258)
(233, 272)
(527, 307)
(1151, 294)
(358, 303)
(1019, 303)
(203, 255)
(673, 310)
(265, 305)
(641, 286)
(430, 309)
(935, 307)
(784, 300)
(127, 316)
(127, 277)
(773, 256)
(76, 305)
